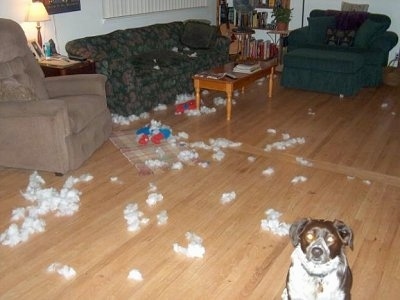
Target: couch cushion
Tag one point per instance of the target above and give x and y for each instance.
(318, 27)
(367, 31)
(198, 35)
(12, 90)
(155, 58)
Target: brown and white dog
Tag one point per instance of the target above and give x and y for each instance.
(319, 268)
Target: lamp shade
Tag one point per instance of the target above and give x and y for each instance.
(37, 13)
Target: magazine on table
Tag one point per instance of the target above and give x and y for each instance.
(247, 67)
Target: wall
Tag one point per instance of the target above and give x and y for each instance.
(89, 21)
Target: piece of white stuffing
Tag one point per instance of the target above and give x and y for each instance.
(134, 217)
(268, 171)
(302, 161)
(271, 131)
(284, 144)
(188, 155)
(228, 197)
(64, 202)
(135, 275)
(154, 198)
(64, 270)
(194, 249)
(162, 217)
(160, 107)
(299, 179)
(251, 158)
(218, 155)
(271, 223)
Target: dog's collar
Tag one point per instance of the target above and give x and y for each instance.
(316, 270)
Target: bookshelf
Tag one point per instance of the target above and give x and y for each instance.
(248, 32)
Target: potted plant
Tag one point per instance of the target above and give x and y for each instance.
(282, 17)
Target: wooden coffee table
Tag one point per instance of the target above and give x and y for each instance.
(228, 85)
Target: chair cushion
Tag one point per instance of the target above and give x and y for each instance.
(367, 31)
(329, 61)
(198, 35)
(318, 27)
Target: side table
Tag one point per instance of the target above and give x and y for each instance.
(279, 36)
(57, 67)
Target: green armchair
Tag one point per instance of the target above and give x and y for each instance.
(338, 52)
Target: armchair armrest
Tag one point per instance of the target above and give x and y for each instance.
(40, 112)
(385, 42)
(298, 38)
(79, 84)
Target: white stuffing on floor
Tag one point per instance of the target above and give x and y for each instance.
(162, 217)
(302, 161)
(135, 275)
(194, 248)
(134, 217)
(115, 179)
(218, 155)
(287, 142)
(298, 179)
(228, 197)
(44, 201)
(268, 171)
(64, 270)
(154, 198)
(155, 164)
(272, 223)
(251, 158)
(271, 131)
(160, 107)
(188, 155)
(122, 120)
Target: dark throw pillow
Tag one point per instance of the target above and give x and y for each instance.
(337, 37)
(367, 31)
(198, 35)
(318, 27)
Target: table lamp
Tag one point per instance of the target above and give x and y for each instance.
(37, 13)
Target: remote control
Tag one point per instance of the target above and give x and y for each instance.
(231, 75)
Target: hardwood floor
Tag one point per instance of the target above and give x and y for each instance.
(355, 136)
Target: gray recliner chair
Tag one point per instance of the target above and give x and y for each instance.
(51, 124)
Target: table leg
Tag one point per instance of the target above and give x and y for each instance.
(271, 76)
(229, 94)
(197, 93)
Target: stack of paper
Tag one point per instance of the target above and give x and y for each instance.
(247, 68)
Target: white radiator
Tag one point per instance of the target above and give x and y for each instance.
(118, 8)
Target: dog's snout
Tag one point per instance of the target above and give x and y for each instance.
(316, 252)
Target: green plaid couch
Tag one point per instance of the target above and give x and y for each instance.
(150, 65)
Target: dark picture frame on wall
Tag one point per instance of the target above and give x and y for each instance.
(61, 6)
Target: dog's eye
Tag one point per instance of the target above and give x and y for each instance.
(330, 239)
(309, 236)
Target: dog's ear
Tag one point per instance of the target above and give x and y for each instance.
(296, 229)
(345, 233)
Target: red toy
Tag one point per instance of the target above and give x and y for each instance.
(182, 107)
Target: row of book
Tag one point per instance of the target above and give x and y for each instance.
(253, 19)
(259, 49)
